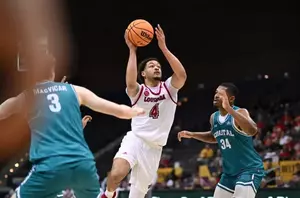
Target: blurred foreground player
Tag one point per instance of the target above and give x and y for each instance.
(25, 22)
(22, 24)
(232, 128)
(59, 153)
(141, 148)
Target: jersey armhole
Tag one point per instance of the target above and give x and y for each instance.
(134, 101)
(169, 93)
(239, 131)
(212, 121)
(76, 95)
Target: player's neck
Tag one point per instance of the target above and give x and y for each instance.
(152, 83)
(223, 112)
(45, 80)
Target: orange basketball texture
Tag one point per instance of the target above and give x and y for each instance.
(140, 32)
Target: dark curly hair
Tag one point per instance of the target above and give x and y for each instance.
(141, 67)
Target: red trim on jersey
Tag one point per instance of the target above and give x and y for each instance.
(169, 94)
(139, 96)
(160, 86)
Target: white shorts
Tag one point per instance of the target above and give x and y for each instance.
(143, 159)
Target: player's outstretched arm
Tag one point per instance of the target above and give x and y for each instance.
(11, 106)
(202, 136)
(131, 71)
(179, 76)
(92, 101)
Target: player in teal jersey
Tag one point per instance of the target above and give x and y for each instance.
(59, 153)
(232, 128)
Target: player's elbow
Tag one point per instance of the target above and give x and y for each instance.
(182, 76)
(252, 130)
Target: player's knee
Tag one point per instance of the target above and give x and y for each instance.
(119, 170)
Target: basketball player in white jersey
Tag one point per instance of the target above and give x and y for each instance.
(141, 148)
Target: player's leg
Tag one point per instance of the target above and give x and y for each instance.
(143, 174)
(46, 184)
(221, 193)
(248, 183)
(244, 192)
(225, 187)
(85, 180)
(136, 193)
(124, 160)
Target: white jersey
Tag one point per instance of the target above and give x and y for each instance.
(160, 105)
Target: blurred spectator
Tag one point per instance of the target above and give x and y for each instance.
(257, 143)
(270, 179)
(206, 154)
(295, 182)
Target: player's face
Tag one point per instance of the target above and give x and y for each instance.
(217, 100)
(152, 70)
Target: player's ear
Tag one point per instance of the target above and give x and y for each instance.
(143, 74)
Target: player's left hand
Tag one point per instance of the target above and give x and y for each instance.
(224, 98)
(68, 194)
(86, 119)
(160, 35)
(64, 79)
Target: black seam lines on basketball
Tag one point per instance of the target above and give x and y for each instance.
(131, 39)
(140, 36)
(131, 25)
(144, 30)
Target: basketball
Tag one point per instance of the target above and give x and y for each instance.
(140, 32)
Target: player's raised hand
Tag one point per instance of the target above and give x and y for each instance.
(130, 45)
(68, 194)
(160, 35)
(86, 119)
(64, 79)
(184, 134)
(224, 98)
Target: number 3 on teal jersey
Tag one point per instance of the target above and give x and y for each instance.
(55, 105)
(225, 144)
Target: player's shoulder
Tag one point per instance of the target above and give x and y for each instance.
(212, 116)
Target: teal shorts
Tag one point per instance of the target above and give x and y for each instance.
(251, 178)
(82, 177)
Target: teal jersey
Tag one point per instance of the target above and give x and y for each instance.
(236, 147)
(56, 128)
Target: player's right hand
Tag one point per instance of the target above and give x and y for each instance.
(130, 45)
(184, 134)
